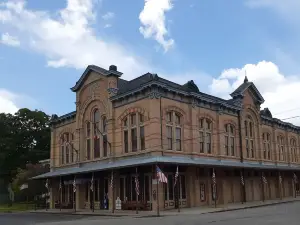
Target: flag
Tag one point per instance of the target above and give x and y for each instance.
(112, 179)
(214, 178)
(280, 179)
(47, 184)
(264, 179)
(92, 183)
(295, 178)
(60, 184)
(74, 185)
(137, 186)
(242, 179)
(176, 176)
(23, 186)
(161, 176)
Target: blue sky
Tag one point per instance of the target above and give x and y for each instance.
(46, 45)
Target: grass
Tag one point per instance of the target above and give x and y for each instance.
(16, 207)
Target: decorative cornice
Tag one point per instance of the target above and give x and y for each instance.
(154, 95)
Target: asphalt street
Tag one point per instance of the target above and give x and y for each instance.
(287, 214)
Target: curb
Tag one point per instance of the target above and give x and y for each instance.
(254, 206)
(162, 215)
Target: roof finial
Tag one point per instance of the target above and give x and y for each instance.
(246, 79)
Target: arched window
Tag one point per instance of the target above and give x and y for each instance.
(229, 140)
(173, 120)
(205, 135)
(67, 151)
(88, 140)
(280, 144)
(249, 137)
(96, 133)
(294, 154)
(133, 132)
(266, 146)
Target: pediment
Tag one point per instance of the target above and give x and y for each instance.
(251, 89)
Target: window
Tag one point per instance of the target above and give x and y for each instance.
(88, 140)
(66, 142)
(229, 140)
(205, 135)
(104, 136)
(96, 120)
(134, 132)
(293, 145)
(249, 137)
(266, 146)
(174, 132)
(280, 144)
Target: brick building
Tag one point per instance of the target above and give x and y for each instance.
(126, 128)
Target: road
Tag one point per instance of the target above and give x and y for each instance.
(275, 215)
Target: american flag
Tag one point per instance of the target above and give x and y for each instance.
(214, 178)
(280, 179)
(60, 184)
(242, 179)
(176, 176)
(74, 185)
(295, 178)
(161, 176)
(47, 184)
(264, 179)
(92, 183)
(137, 186)
(112, 179)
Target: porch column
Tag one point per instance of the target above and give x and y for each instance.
(80, 196)
(157, 195)
(52, 198)
(112, 196)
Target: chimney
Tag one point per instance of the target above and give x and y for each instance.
(113, 68)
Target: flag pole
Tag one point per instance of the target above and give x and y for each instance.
(74, 190)
(112, 189)
(136, 187)
(60, 194)
(262, 186)
(215, 188)
(179, 185)
(157, 195)
(93, 193)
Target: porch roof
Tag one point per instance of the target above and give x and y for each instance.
(147, 160)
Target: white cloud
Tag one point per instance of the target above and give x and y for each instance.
(281, 92)
(7, 39)
(67, 37)
(152, 19)
(108, 15)
(288, 9)
(107, 25)
(7, 102)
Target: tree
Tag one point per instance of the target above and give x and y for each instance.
(35, 187)
(24, 139)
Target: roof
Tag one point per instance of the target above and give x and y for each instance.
(245, 86)
(144, 160)
(111, 71)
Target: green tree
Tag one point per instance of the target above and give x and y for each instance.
(24, 139)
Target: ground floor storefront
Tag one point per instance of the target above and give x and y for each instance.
(137, 186)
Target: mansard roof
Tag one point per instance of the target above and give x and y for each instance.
(245, 86)
(112, 71)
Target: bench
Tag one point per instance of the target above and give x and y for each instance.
(131, 205)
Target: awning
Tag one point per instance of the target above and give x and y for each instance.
(147, 160)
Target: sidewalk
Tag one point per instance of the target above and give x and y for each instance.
(183, 211)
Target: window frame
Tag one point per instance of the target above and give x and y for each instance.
(230, 149)
(173, 126)
(205, 129)
(250, 137)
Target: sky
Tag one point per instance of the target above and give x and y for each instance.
(46, 45)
